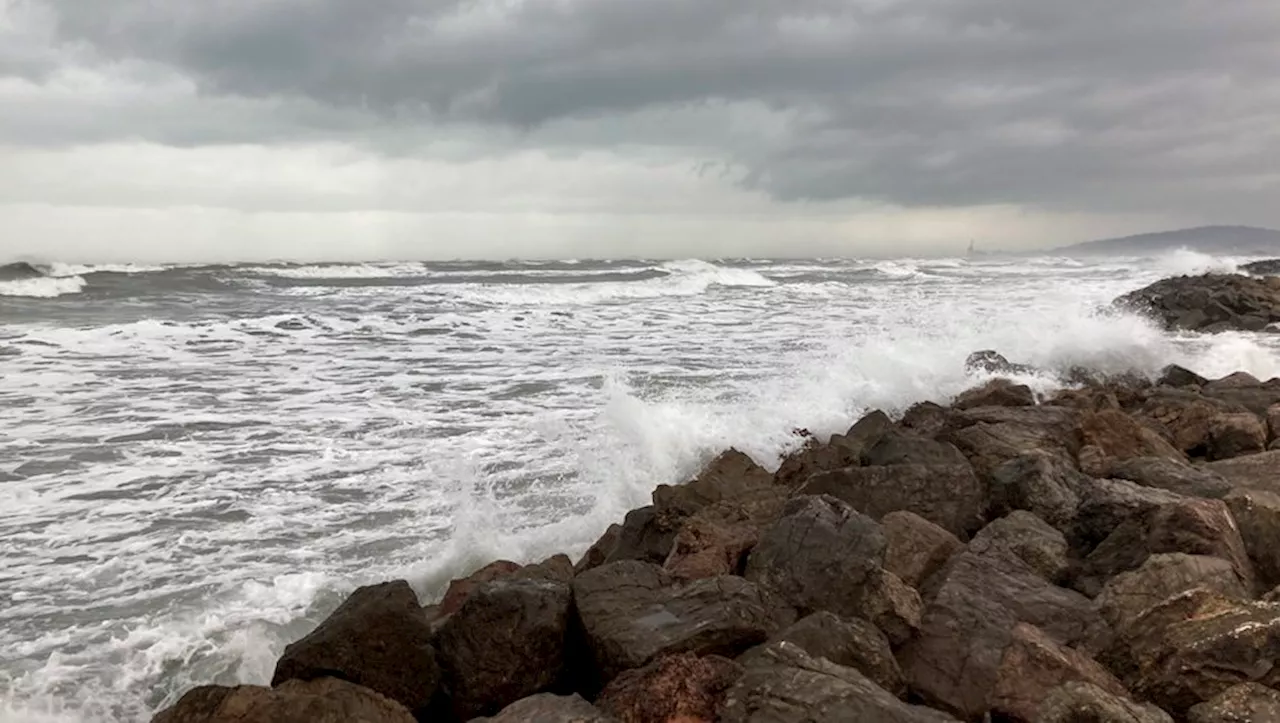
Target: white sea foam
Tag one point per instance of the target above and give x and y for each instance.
(1185, 262)
(341, 271)
(43, 287)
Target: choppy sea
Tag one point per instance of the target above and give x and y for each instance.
(197, 463)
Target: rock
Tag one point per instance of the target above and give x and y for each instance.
(850, 642)
(915, 548)
(1185, 418)
(926, 418)
(1266, 267)
(1171, 475)
(507, 641)
(992, 362)
(1256, 471)
(1273, 422)
(1233, 435)
(1176, 376)
(864, 433)
(1245, 703)
(596, 555)
(967, 628)
(783, 684)
(709, 548)
(812, 459)
(1043, 548)
(1211, 302)
(1257, 516)
(461, 588)
(681, 687)
(1079, 702)
(557, 568)
(646, 535)
(891, 604)
(1105, 504)
(897, 447)
(990, 444)
(1195, 646)
(1126, 596)
(1235, 380)
(1046, 485)
(950, 496)
(731, 476)
(548, 708)
(633, 612)
(1034, 666)
(996, 393)
(378, 638)
(1255, 399)
(1120, 437)
(1191, 526)
(323, 700)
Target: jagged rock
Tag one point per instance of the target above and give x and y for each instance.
(783, 684)
(1255, 399)
(646, 535)
(1033, 666)
(1266, 267)
(926, 418)
(378, 638)
(557, 568)
(898, 447)
(596, 555)
(891, 604)
(1233, 435)
(1255, 471)
(1176, 376)
(323, 700)
(633, 612)
(507, 641)
(948, 495)
(1235, 380)
(548, 708)
(1245, 703)
(1043, 548)
(709, 548)
(864, 433)
(681, 687)
(1191, 526)
(991, 436)
(915, 548)
(1105, 504)
(812, 459)
(1257, 515)
(1120, 437)
(1126, 596)
(459, 589)
(967, 627)
(1185, 418)
(1195, 646)
(731, 476)
(1046, 485)
(1273, 422)
(1079, 702)
(1209, 303)
(996, 393)
(992, 362)
(851, 642)
(1171, 475)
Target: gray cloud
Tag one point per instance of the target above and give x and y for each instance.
(1127, 107)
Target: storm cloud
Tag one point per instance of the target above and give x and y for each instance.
(1141, 111)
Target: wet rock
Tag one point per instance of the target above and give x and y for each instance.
(1105, 504)
(926, 418)
(378, 638)
(851, 642)
(1257, 516)
(996, 393)
(1013, 432)
(731, 476)
(864, 433)
(1185, 418)
(898, 447)
(815, 458)
(1126, 596)
(1033, 666)
(633, 612)
(1266, 267)
(1080, 702)
(461, 588)
(1233, 435)
(646, 535)
(1120, 437)
(323, 700)
(992, 362)
(681, 687)
(507, 641)
(950, 496)
(1043, 548)
(1209, 303)
(596, 555)
(915, 548)
(783, 684)
(1256, 471)
(967, 627)
(709, 548)
(1172, 475)
(1273, 422)
(1245, 703)
(1176, 376)
(548, 708)
(1046, 485)
(1235, 380)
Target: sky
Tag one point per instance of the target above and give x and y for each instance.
(189, 130)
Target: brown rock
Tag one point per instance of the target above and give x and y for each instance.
(850, 642)
(996, 393)
(1046, 485)
(1171, 475)
(1121, 437)
(1254, 471)
(1273, 422)
(1235, 380)
(1257, 515)
(1176, 376)
(1186, 417)
(548, 708)
(1105, 504)
(1233, 435)
(681, 687)
(1033, 666)
(894, 606)
(378, 638)
(1245, 703)
(633, 612)
(461, 588)
(1079, 702)
(731, 476)
(1043, 548)
(507, 641)
(646, 535)
(947, 495)
(596, 555)
(915, 548)
(902, 447)
(843, 450)
(323, 700)
(709, 548)
(1128, 595)
(991, 436)
(1209, 303)
(926, 418)
(557, 568)
(864, 434)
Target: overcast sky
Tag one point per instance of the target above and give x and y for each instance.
(221, 129)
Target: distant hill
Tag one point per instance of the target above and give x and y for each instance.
(1230, 240)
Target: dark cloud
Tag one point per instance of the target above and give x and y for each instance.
(1103, 105)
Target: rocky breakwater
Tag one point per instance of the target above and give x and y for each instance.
(1210, 303)
(1107, 554)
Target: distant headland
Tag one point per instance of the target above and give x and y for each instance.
(1232, 240)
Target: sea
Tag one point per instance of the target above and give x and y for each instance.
(197, 463)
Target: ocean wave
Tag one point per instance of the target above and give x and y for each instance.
(896, 269)
(339, 271)
(43, 287)
(677, 279)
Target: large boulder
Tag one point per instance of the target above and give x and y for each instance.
(989, 361)
(1033, 666)
(598, 553)
(991, 436)
(968, 628)
(900, 447)
(1185, 418)
(1046, 485)
(1106, 503)
(851, 642)
(1244, 703)
(681, 687)
(1273, 422)
(1043, 548)
(709, 547)
(1209, 303)
(1176, 376)
(1257, 515)
(915, 548)
(1172, 475)
(949, 495)
(378, 638)
(926, 418)
(1118, 437)
(996, 393)
(507, 641)
(1080, 702)
(783, 684)
(647, 535)
(842, 450)
(322, 700)
(1236, 434)
(633, 612)
(1255, 471)
(731, 476)
(1125, 597)
(548, 708)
